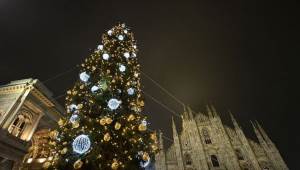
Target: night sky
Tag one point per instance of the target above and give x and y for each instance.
(238, 55)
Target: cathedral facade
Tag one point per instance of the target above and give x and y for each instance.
(206, 143)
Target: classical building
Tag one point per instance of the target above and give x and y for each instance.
(205, 143)
(26, 107)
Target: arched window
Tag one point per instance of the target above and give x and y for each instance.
(214, 161)
(187, 159)
(239, 154)
(206, 136)
(17, 127)
(19, 124)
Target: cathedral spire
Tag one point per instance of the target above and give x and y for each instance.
(190, 112)
(264, 134)
(177, 146)
(210, 114)
(214, 111)
(258, 134)
(161, 140)
(174, 127)
(235, 124)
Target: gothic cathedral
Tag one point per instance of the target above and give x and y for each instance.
(205, 143)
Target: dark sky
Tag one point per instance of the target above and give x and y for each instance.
(239, 55)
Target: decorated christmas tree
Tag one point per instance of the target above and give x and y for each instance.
(105, 127)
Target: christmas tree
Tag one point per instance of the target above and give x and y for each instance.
(104, 127)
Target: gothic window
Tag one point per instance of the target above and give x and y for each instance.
(187, 159)
(239, 154)
(206, 136)
(214, 161)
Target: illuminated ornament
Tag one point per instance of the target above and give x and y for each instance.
(145, 156)
(64, 151)
(121, 37)
(100, 47)
(102, 121)
(122, 68)
(53, 134)
(142, 127)
(153, 136)
(126, 55)
(108, 120)
(117, 126)
(144, 122)
(84, 77)
(154, 147)
(61, 122)
(75, 125)
(73, 107)
(130, 117)
(105, 56)
(94, 89)
(81, 144)
(109, 32)
(78, 164)
(103, 84)
(74, 118)
(107, 137)
(125, 31)
(130, 91)
(80, 106)
(133, 55)
(46, 165)
(134, 46)
(144, 164)
(115, 165)
(113, 104)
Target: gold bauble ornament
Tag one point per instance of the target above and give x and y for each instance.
(153, 137)
(53, 143)
(141, 103)
(107, 137)
(61, 122)
(142, 127)
(80, 106)
(64, 151)
(46, 165)
(77, 164)
(115, 165)
(145, 156)
(108, 120)
(117, 126)
(53, 134)
(102, 121)
(131, 117)
(154, 147)
(75, 125)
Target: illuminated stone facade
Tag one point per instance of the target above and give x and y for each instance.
(205, 143)
(26, 106)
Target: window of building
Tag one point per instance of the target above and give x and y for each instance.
(188, 159)
(239, 154)
(214, 161)
(206, 136)
(17, 127)
(19, 124)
